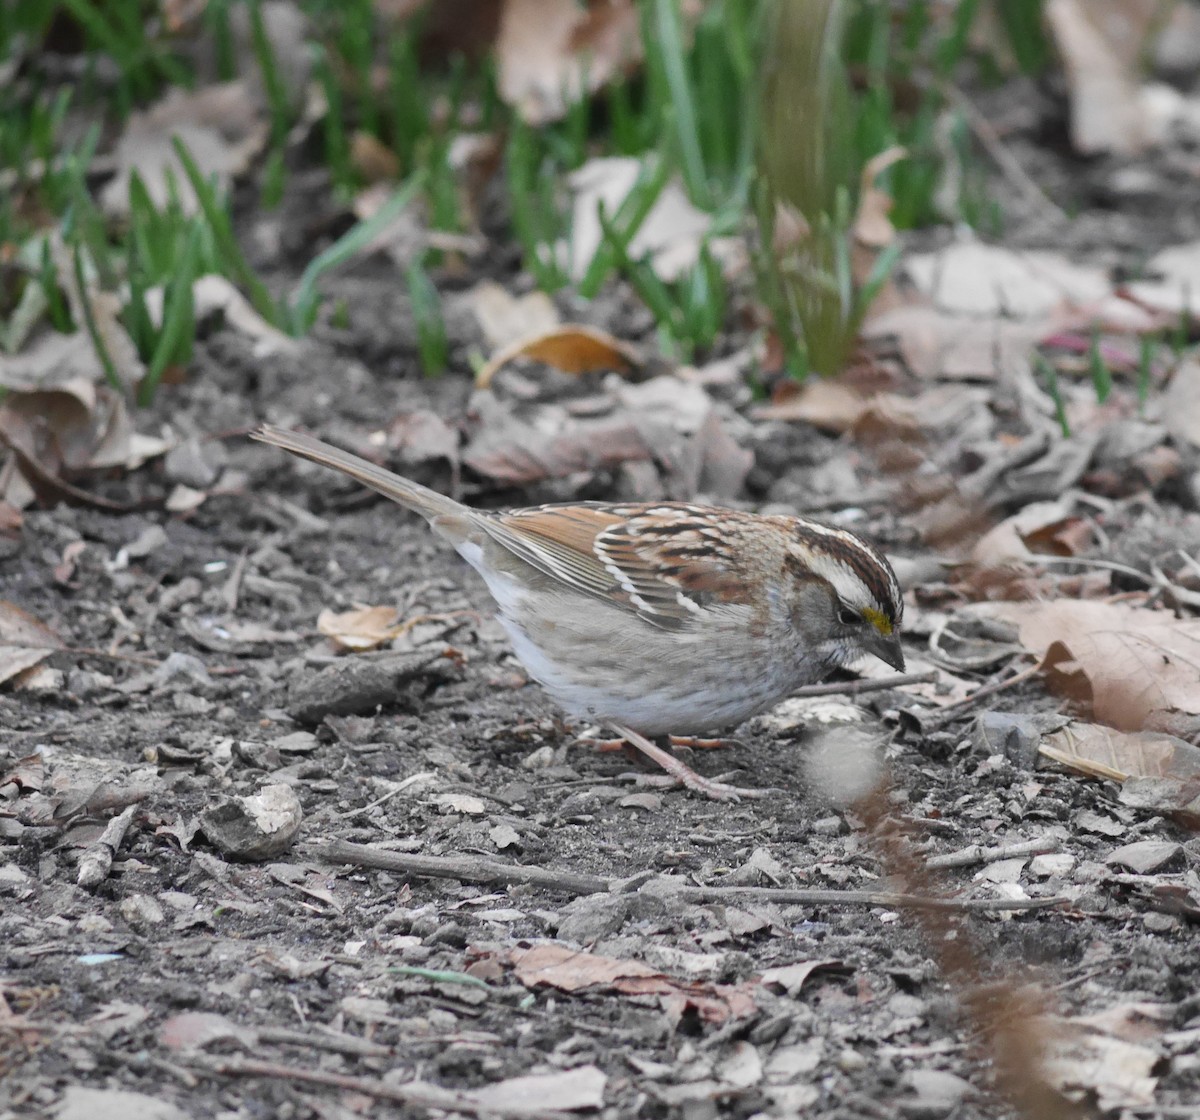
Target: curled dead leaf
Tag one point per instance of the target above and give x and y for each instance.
(570, 970)
(1103, 752)
(24, 641)
(363, 629)
(872, 227)
(572, 348)
(1125, 665)
(551, 52)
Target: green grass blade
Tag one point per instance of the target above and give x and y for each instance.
(302, 308)
(672, 58)
(110, 370)
(233, 261)
(179, 319)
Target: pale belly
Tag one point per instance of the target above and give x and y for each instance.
(654, 681)
(602, 664)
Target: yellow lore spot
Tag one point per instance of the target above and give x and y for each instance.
(878, 619)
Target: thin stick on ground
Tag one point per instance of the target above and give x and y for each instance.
(473, 869)
(468, 869)
(857, 688)
(977, 853)
(417, 1093)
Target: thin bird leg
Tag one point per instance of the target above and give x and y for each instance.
(684, 774)
(691, 742)
(602, 745)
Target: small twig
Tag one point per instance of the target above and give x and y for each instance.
(110, 655)
(469, 869)
(336, 1043)
(951, 711)
(232, 590)
(416, 1093)
(400, 787)
(977, 853)
(888, 899)
(1008, 164)
(855, 688)
(96, 862)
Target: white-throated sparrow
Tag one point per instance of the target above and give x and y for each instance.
(660, 617)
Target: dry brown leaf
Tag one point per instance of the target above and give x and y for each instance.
(372, 158)
(194, 1030)
(670, 236)
(11, 519)
(937, 344)
(1038, 527)
(837, 407)
(367, 628)
(572, 348)
(970, 278)
(1098, 1054)
(1179, 407)
(1176, 286)
(514, 453)
(872, 226)
(1100, 43)
(571, 970)
(505, 318)
(214, 294)
(222, 126)
(27, 773)
(72, 428)
(1123, 664)
(1104, 752)
(24, 641)
(562, 1091)
(551, 52)
(827, 404)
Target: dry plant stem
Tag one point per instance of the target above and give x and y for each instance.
(856, 688)
(977, 853)
(469, 869)
(951, 711)
(96, 862)
(1008, 164)
(411, 780)
(335, 1043)
(414, 1093)
(472, 869)
(890, 900)
(1008, 1016)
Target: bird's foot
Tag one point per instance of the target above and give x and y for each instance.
(684, 775)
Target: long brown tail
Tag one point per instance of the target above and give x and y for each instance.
(412, 495)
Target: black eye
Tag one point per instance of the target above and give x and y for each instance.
(847, 617)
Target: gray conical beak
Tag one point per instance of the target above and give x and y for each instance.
(888, 649)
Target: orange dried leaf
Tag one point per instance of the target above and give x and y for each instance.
(572, 348)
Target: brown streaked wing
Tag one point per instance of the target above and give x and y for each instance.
(673, 561)
(560, 541)
(661, 562)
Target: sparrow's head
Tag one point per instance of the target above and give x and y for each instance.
(854, 602)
